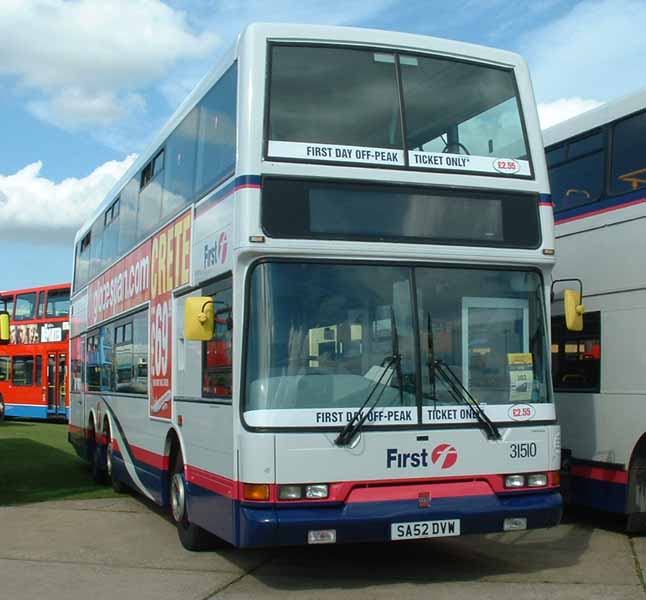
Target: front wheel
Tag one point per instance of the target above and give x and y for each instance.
(191, 536)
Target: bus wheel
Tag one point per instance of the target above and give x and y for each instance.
(98, 462)
(636, 522)
(1, 409)
(118, 486)
(191, 536)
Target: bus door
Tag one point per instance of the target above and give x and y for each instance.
(56, 382)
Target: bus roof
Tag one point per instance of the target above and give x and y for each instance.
(299, 33)
(39, 288)
(606, 113)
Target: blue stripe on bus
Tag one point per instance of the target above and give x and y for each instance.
(608, 496)
(606, 205)
(239, 183)
(371, 521)
(27, 412)
(247, 526)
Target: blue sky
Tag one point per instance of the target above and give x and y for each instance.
(85, 84)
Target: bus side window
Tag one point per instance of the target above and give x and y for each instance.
(628, 151)
(217, 360)
(5, 368)
(23, 370)
(576, 355)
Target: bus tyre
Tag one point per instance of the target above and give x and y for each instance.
(118, 486)
(98, 465)
(2, 409)
(191, 536)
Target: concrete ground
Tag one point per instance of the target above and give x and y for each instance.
(124, 548)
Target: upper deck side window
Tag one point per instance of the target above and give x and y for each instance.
(6, 303)
(58, 303)
(628, 171)
(26, 306)
(197, 155)
(577, 170)
(365, 106)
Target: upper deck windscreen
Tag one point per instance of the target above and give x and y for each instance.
(360, 106)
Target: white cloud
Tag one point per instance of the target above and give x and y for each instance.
(86, 55)
(551, 113)
(73, 107)
(596, 50)
(32, 206)
(227, 18)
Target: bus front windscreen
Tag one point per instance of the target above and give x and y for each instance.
(321, 337)
(350, 105)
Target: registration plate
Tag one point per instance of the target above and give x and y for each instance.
(425, 529)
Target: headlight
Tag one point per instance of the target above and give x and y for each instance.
(537, 480)
(317, 491)
(290, 492)
(515, 481)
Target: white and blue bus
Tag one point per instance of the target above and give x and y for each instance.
(597, 168)
(315, 310)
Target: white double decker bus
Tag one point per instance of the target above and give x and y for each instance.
(597, 167)
(316, 309)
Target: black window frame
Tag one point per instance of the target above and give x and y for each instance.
(111, 213)
(605, 152)
(610, 143)
(35, 306)
(222, 284)
(25, 357)
(403, 187)
(407, 167)
(576, 337)
(367, 427)
(69, 298)
(93, 338)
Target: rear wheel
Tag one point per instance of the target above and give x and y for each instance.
(2, 409)
(99, 471)
(191, 536)
(117, 485)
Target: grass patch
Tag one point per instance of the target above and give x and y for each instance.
(37, 463)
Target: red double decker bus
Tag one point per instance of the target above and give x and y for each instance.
(34, 365)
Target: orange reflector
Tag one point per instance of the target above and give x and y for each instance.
(556, 477)
(255, 491)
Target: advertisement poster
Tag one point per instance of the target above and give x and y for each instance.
(170, 261)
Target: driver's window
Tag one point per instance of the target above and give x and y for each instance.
(217, 353)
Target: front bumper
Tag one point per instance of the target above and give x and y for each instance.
(371, 521)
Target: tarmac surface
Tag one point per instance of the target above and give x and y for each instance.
(123, 548)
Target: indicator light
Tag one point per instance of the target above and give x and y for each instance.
(258, 492)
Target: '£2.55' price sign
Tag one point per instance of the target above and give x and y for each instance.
(170, 269)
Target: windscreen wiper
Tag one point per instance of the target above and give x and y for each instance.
(456, 390)
(354, 425)
(460, 394)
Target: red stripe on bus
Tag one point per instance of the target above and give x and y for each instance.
(601, 211)
(413, 492)
(159, 461)
(212, 482)
(548, 204)
(599, 473)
